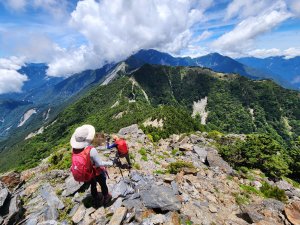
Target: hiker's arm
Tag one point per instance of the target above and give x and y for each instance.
(114, 145)
(96, 159)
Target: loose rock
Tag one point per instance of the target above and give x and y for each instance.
(118, 216)
(292, 211)
(160, 197)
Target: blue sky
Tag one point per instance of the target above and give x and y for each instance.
(72, 36)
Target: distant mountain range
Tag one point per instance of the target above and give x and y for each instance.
(47, 96)
(285, 72)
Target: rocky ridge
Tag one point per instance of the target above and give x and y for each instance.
(201, 189)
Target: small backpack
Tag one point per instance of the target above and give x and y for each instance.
(82, 168)
(122, 147)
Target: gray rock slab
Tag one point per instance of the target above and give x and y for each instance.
(160, 197)
(122, 189)
(133, 203)
(50, 197)
(284, 185)
(201, 152)
(215, 161)
(4, 193)
(72, 186)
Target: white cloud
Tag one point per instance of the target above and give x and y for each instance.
(244, 9)
(116, 29)
(203, 36)
(10, 79)
(16, 5)
(69, 62)
(57, 8)
(12, 63)
(242, 36)
(291, 52)
(264, 53)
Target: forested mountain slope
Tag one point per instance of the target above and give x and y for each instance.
(173, 100)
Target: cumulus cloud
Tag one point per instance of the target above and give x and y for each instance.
(115, 30)
(243, 35)
(10, 79)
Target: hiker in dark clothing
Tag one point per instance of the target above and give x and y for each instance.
(86, 164)
(122, 148)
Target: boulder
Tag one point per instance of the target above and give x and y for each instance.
(118, 216)
(72, 186)
(284, 185)
(292, 211)
(122, 189)
(196, 139)
(4, 193)
(216, 161)
(133, 130)
(160, 197)
(186, 147)
(201, 152)
(256, 184)
(267, 210)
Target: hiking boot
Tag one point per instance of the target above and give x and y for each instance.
(106, 199)
(97, 202)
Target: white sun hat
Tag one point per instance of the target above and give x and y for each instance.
(83, 136)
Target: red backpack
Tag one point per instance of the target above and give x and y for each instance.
(82, 168)
(122, 146)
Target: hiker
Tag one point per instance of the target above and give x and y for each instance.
(122, 149)
(86, 164)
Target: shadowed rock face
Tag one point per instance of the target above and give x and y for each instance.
(204, 194)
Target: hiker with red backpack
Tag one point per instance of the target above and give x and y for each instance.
(122, 148)
(86, 164)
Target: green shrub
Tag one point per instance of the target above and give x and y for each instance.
(270, 191)
(136, 166)
(250, 190)
(143, 151)
(176, 167)
(60, 160)
(241, 198)
(159, 172)
(214, 134)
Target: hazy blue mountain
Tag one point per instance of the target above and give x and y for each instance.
(214, 61)
(46, 96)
(285, 71)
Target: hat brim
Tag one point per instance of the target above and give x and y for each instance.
(79, 145)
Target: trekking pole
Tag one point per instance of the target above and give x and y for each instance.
(117, 159)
